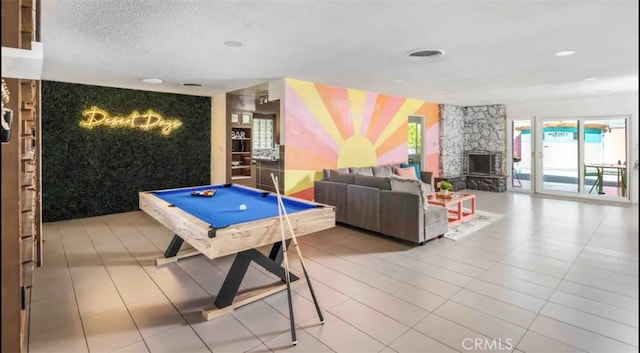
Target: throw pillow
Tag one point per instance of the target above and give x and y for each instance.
(409, 172)
(414, 165)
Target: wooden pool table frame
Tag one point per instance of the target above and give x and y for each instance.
(241, 239)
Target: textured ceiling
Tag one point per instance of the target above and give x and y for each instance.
(496, 51)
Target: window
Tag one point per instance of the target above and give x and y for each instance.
(262, 133)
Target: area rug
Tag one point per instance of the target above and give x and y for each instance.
(481, 220)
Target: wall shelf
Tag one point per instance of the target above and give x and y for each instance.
(27, 179)
(28, 156)
(241, 150)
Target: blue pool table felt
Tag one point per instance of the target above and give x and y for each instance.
(223, 209)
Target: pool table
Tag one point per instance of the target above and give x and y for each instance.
(216, 226)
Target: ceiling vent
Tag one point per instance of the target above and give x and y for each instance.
(191, 84)
(426, 53)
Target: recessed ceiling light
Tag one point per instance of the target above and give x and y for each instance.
(191, 84)
(398, 81)
(447, 92)
(590, 79)
(232, 43)
(565, 53)
(155, 81)
(426, 53)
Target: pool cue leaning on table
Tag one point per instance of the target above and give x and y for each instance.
(299, 252)
(294, 341)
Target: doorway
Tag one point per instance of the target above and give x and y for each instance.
(415, 127)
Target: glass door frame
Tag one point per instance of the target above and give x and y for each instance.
(538, 157)
(539, 181)
(510, 164)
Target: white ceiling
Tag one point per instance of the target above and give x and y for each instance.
(496, 51)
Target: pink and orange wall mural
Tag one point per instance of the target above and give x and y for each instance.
(329, 127)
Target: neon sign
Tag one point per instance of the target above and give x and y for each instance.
(95, 116)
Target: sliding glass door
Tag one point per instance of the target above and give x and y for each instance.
(584, 157)
(605, 156)
(560, 162)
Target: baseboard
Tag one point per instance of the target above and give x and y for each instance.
(582, 199)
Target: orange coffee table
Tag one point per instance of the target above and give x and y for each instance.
(457, 213)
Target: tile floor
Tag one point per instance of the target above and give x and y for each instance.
(551, 276)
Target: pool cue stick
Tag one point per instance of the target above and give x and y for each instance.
(294, 341)
(295, 244)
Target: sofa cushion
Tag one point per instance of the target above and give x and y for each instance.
(382, 171)
(409, 172)
(426, 188)
(413, 186)
(374, 182)
(414, 165)
(326, 173)
(339, 177)
(361, 170)
(332, 193)
(435, 215)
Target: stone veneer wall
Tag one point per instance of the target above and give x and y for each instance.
(485, 130)
(452, 124)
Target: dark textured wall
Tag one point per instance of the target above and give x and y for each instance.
(91, 172)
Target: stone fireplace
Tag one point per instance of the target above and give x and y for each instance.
(473, 146)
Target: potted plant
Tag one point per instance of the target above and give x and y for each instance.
(445, 187)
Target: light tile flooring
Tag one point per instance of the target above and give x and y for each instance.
(551, 276)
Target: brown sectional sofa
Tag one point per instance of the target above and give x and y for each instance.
(373, 198)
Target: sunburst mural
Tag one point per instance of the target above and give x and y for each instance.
(328, 127)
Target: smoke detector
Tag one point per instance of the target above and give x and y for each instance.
(426, 53)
